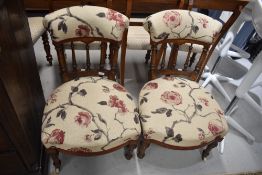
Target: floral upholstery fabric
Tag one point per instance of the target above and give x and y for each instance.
(173, 24)
(178, 112)
(90, 114)
(86, 21)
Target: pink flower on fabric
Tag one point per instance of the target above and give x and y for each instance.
(214, 127)
(204, 22)
(117, 17)
(82, 31)
(119, 87)
(171, 97)
(150, 86)
(204, 100)
(172, 19)
(56, 137)
(115, 102)
(83, 118)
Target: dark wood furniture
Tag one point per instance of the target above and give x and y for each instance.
(140, 6)
(22, 99)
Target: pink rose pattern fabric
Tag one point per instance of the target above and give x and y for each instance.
(171, 97)
(58, 115)
(184, 107)
(61, 21)
(172, 24)
(172, 19)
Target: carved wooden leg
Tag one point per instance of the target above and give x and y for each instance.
(142, 148)
(129, 151)
(147, 58)
(209, 147)
(47, 48)
(54, 153)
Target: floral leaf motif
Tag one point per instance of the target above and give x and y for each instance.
(105, 89)
(169, 113)
(199, 129)
(163, 35)
(141, 101)
(95, 131)
(129, 96)
(199, 107)
(145, 116)
(142, 119)
(136, 110)
(64, 28)
(144, 99)
(178, 138)
(49, 125)
(59, 27)
(61, 114)
(102, 103)
(195, 29)
(98, 32)
(101, 119)
(82, 92)
(146, 94)
(159, 111)
(101, 15)
(169, 132)
(49, 120)
(98, 135)
(136, 119)
(74, 89)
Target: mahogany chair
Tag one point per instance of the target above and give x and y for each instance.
(137, 37)
(89, 114)
(175, 112)
(37, 30)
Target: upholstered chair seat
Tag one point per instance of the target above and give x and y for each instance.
(138, 38)
(178, 112)
(89, 115)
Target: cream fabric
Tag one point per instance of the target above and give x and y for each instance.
(89, 115)
(36, 27)
(84, 21)
(179, 112)
(138, 38)
(82, 46)
(172, 24)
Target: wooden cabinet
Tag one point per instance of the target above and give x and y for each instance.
(21, 96)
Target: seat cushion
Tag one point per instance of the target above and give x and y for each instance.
(89, 115)
(174, 24)
(86, 21)
(138, 38)
(36, 27)
(178, 112)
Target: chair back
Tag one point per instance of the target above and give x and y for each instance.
(86, 24)
(175, 28)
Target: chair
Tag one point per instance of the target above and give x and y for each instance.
(88, 114)
(175, 112)
(37, 30)
(138, 38)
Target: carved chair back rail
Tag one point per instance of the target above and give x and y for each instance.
(86, 69)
